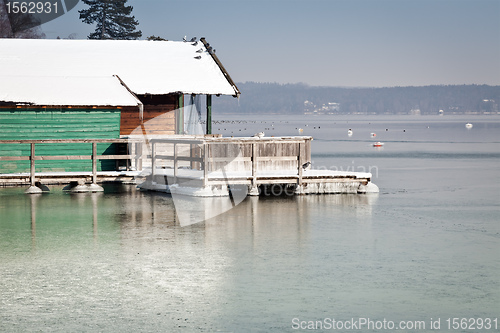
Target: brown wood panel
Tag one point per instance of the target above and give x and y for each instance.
(157, 119)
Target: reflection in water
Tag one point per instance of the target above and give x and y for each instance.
(426, 247)
(33, 198)
(122, 259)
(94, 197)
(124, 254)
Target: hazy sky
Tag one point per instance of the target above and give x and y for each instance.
(330, 42)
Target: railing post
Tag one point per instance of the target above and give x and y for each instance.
(205, 164)
(94, 162)
(138, 156)
(32, 164)
(153, 160)
(254, 164)
(32, 189)
(254, 190)
(299, 165)
(175, 163)
(191, 162)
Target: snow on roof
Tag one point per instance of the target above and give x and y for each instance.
(146, 67)
(63, 90)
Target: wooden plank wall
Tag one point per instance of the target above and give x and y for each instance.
(268, 152)
(60, 123)
(158, 116)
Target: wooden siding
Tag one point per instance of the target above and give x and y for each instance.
(60, 123)
(272, 155)
(158, 116)
(158, 119)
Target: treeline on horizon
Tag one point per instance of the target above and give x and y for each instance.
(275, 98)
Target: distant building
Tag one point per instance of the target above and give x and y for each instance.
(328, 108)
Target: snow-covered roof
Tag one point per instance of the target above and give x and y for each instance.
(146, 67)
(63, 90)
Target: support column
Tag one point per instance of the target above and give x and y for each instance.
(209, 114)
(254, 190)
(32, 189)
(180, 115)
(32, 164)
(94, 187)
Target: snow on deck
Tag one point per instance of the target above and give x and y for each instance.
(276, 174)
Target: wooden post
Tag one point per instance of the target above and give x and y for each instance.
(191, 162)
(254, 190)
(94, 162)
(254, 164)
(153, 161)
(180, 115)
(299, 165)
(209, 114)
(138, 156)
(32, 164)
(205, 164)
(175, 163)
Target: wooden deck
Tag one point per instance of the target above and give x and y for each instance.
(197, 165)
(208, 166)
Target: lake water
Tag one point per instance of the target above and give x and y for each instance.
(425, 249)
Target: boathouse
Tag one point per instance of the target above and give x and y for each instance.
(114, 110)
(99, 89)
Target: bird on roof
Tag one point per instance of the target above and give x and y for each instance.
(184, 39)
(193, 39)
(197, 57)
(195, 43)
(199, 51)
(259, 135)
(306, 165)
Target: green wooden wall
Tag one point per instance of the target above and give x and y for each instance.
(60, 123)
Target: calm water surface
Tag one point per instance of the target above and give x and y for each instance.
(427, 246)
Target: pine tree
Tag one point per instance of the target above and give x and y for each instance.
(113, 19)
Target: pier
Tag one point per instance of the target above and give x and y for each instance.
(192, 165)
(56, 173)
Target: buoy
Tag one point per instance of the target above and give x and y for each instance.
(374, 135)
(468, 125)
(349, 132)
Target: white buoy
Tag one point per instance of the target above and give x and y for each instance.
(374, 135)
(349, 132)
(468, 125)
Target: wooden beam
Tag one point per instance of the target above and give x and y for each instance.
(180, 115)
(254, 164)
(94, 163)
(300, 161)
(153, 160)
(32, 164)
(209, 114)
(70, 141)
(205, 164)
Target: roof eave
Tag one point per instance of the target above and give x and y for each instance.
(221, 67)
